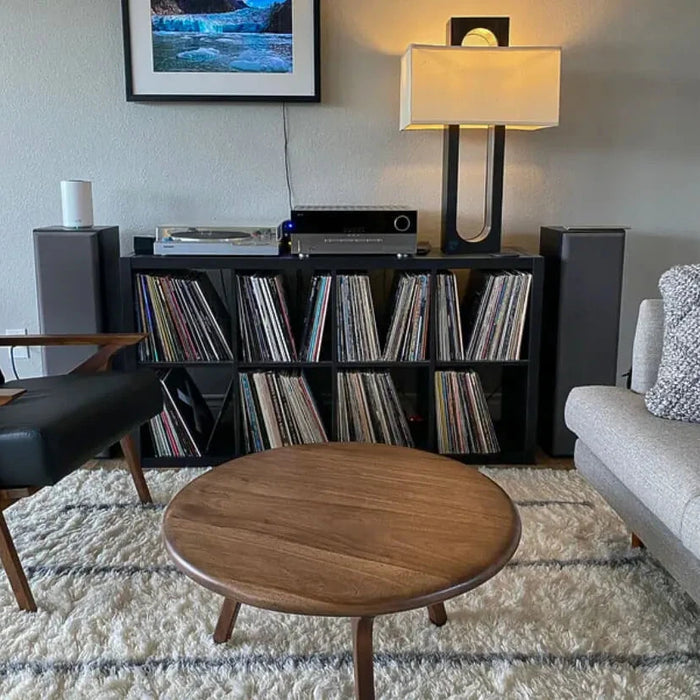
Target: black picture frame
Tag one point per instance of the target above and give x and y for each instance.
(313, 79)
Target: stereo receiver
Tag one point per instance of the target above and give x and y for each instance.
(348, 230)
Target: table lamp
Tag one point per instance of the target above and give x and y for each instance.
(478, 81)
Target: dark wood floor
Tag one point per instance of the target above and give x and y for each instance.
(544, 461)
(7, 498)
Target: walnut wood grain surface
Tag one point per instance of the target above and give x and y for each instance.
(341, 529)
(24, 341)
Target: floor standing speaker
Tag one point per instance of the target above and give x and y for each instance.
(580, 322)
(77, 277)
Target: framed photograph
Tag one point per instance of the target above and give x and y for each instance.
(247, 50)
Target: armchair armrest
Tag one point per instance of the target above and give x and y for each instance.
(101, 339)
(109, 344)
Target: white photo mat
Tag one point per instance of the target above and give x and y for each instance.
(144, 82)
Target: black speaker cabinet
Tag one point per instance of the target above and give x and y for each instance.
(77, 278)
(580, 322)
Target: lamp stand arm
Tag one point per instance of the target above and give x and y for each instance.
(488, 240)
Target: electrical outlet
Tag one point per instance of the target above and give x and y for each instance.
(20, 353)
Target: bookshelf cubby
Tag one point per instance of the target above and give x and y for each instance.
(510, 386)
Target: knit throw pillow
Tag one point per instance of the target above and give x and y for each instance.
(676, 394)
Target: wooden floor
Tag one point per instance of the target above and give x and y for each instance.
(544, 461)
(9, 496)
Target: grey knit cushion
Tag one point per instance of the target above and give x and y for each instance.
(676, 394)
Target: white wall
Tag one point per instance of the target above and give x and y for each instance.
(627, 150)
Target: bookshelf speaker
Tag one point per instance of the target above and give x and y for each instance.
(580, 322)
(77, 279)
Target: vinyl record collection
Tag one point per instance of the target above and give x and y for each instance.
(358, 340)
(315, 320)
(183, 427)
(266, 331)
(369, 409)
(268, 404)
(184, 318)
(499, 318)
(278, 409)
(450, 345)
(464, 424)
(407, 339)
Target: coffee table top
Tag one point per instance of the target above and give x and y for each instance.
(341, 529)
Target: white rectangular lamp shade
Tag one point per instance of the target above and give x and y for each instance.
(517, 87)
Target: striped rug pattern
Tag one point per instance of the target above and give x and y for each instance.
(576, 614)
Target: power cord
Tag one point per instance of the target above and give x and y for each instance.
(12, 360)
(287, 166)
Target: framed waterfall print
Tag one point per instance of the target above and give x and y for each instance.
(207, 50)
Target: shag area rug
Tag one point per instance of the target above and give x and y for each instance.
(576, 614)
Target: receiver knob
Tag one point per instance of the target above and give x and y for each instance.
(402, 223)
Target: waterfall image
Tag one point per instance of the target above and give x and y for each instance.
(222, 36)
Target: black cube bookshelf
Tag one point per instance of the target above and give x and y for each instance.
(511, 386)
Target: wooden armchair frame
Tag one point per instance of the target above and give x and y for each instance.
(108, 345)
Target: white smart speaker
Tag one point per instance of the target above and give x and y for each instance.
(76, 203)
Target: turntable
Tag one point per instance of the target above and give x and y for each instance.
(208, 240)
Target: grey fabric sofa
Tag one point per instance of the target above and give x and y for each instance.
(647, 468)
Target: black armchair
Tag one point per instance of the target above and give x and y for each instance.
(60, 422)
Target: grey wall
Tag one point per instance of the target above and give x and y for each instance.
(627, 150)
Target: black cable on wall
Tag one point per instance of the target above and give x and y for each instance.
(287, 166)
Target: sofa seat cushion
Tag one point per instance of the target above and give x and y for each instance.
(63, 421)
(657, 459)
(690, 532)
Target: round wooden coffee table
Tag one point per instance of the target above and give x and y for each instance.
(348, 530)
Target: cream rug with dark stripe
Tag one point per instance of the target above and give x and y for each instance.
(575, 615)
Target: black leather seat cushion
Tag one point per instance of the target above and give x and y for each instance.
(61, 422)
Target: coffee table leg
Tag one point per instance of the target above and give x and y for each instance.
(227, 619)
(437, 614)
(363, 657)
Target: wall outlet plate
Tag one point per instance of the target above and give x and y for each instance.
(19, 352)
